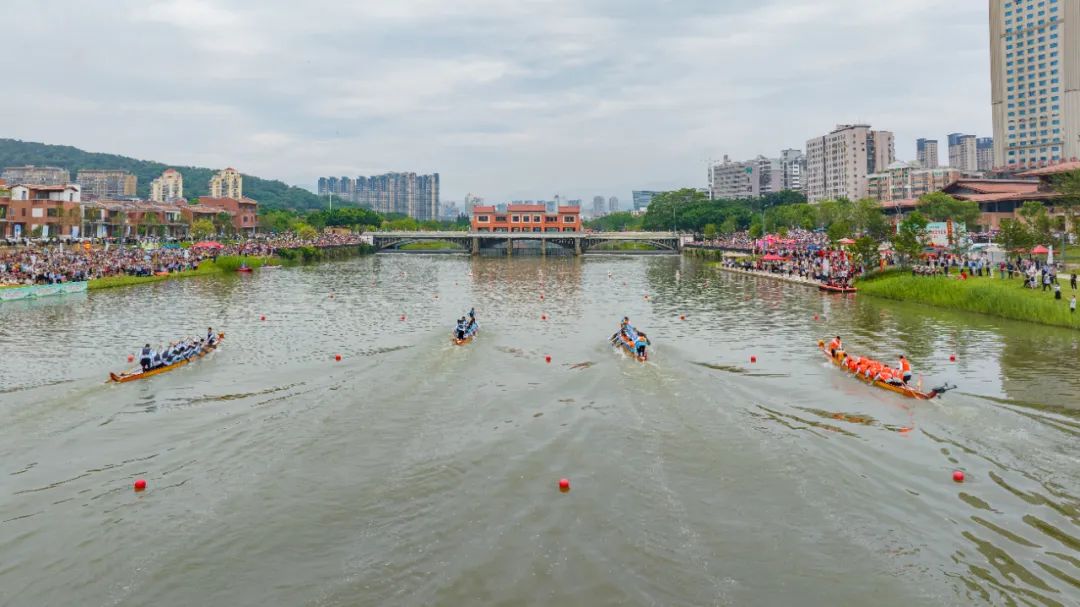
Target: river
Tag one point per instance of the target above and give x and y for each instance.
(413, 472)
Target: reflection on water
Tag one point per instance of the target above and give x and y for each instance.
(414, 472)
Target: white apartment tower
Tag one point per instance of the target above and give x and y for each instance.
(168, 187)
(839, 163)
(227, 184)
(1035, 81)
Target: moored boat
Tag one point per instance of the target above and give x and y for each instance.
(243, 269)
(903, 390)
(138, 373)
(832, 288)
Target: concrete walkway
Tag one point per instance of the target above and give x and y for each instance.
(782, 277)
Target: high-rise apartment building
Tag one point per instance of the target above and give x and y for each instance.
(984, 154)
(793, 166)
(97, 184)
(598, 206)
(227, 184)
(746, 179)
(416, 196)
(905, 181)
(963, 152)
(926, 151)
(32, 175)
(642, 198)
(839, 163)
(168, 187)
(1035, 81)
(613, 204)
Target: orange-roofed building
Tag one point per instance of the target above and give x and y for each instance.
(244, 211)
(526, 218)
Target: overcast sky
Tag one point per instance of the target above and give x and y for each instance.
(507, 99)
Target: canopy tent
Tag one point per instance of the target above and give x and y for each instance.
(1040, 250)
(208, 244)
(773, 257)
(846, 241)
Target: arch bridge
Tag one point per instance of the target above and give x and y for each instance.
(578, 242)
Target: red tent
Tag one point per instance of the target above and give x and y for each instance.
(208, 244)
(846, 241)
(1040, 250)
(773, 257)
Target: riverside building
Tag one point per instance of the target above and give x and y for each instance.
(1035, 81)
(838, 164)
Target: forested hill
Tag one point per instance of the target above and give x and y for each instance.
(271, 194)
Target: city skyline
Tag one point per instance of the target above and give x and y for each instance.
(603, 99)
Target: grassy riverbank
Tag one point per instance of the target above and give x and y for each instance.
(223, 264)
(433, 245)
(991, 296)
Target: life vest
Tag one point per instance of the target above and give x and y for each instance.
(905, 366)
(147, 354)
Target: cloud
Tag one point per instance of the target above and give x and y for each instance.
(505, 99)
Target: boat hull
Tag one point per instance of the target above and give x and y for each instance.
(467, 340)
(138, 373)
(622, 342)
(836, 289)
(901, 390)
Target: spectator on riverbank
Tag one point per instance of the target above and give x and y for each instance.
(51, 264)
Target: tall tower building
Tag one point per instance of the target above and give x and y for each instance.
(227, 184)
(793, 164)
(613, 205)
(984, 153)
(963, 152)
(927, 153)
(1035, 81)
(839, 163)
(598, 206)
(168, 187)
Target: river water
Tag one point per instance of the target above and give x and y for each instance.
(413, 472)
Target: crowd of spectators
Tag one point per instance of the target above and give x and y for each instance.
(51, 264)
(801, 254)
(794, 239)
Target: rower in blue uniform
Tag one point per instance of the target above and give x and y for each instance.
(146, 357)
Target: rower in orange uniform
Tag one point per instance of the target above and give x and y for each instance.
(835, 346)
(905, 368)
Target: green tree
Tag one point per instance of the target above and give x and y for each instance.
(709, 231)
(755, 229)
(730, 226)
(939, 206)
(1015, 235)
(911, 237)
(1068, 185)
(839, 230)
(866, 251)
(306, 232)
(616, 222)
(202, 229)
(223, 223)
(1038, 221)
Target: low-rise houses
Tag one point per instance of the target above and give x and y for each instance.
(58, 211)
(526, 218)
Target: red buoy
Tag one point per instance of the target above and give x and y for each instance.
(958, 476)
(403, 318)
(263, 317)
(564, 484)
(952, 358)
(815, 316)
(131, 358)
(682, 317)
(337, 357)
(753, 359)
(547, 359)
(543, 317)
(140, 484)
(541, 296)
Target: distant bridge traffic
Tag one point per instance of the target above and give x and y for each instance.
(578, 242)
